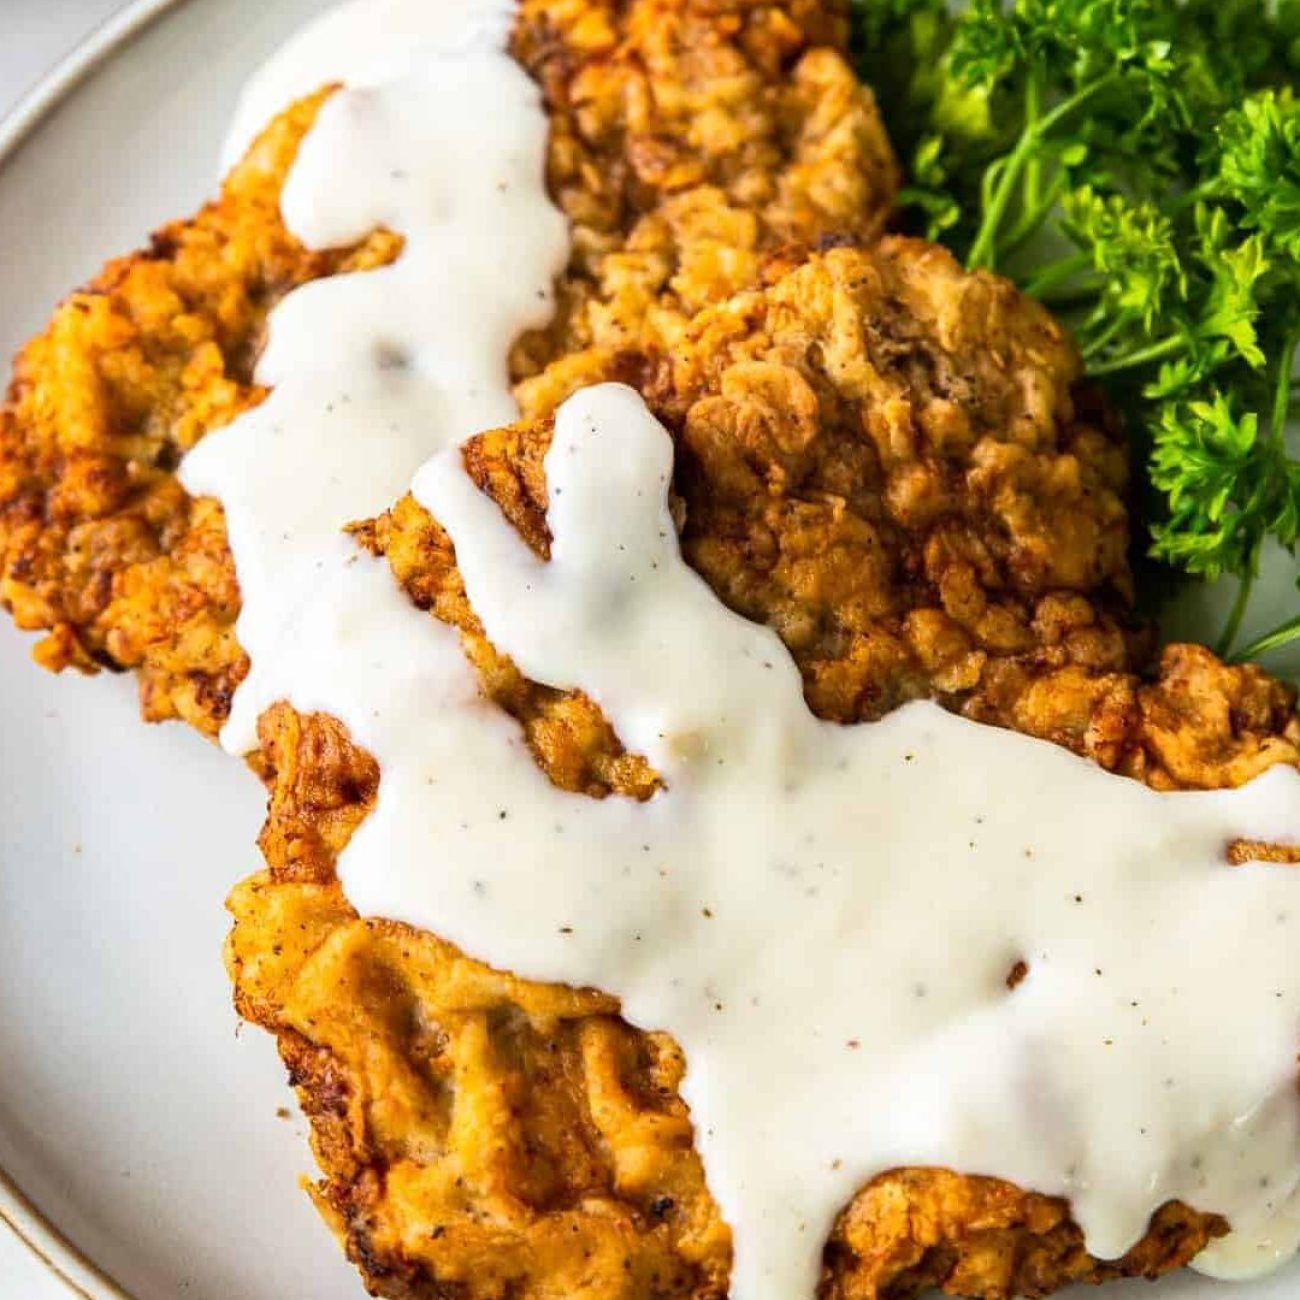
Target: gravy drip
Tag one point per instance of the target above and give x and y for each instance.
(825, 917)
(441, 139)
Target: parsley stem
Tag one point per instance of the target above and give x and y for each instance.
(1279, 636)
(1033, 110)
(997, 198)
(1036, 212)
(1166, 347)
(1057, 273)
(1099, 341)
(1049, 121)
(989, 182)
(1223, 646)
(1282, 393)
(995, 207)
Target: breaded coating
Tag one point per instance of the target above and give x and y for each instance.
(881, 457)
(99, 544)
(889, 461)
(483, 1136)
(893, 463)
(688, 139)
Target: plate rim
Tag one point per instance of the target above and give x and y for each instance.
(79, 1275)
(64, 1262)
(70, 71)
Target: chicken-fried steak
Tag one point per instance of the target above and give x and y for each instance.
(687, 141)
(884, 459)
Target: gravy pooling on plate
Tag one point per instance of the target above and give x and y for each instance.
(1019, 965)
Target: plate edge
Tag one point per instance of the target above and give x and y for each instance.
(70, 71)
(64, 1262)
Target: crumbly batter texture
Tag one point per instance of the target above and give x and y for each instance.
(483, 1136)
(100, 546)
(886, 460)
(688, 140)
(892, 463)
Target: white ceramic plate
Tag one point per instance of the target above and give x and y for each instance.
(140, 1127)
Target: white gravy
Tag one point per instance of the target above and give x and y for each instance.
(363, 44)
(823, 916)
(444, 142)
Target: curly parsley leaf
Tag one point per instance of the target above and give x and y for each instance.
(1136, 164)
(1258, 157)
(1227, 485)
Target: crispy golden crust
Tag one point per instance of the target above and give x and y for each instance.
(483, 1136)
(472, 1126)
(891, 462)
(882, 457)
(688, 140)
(98, 542)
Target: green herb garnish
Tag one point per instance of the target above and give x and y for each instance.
(1136, 165)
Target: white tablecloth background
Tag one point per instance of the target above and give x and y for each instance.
(34, 34)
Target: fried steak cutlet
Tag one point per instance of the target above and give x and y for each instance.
(881, 457)
(891, 462)
(688, 139)
(888, 461)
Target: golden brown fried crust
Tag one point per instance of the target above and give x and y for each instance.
(1195, 724)
(98, 542)
(688, 140)
(879, 456)
(890, 461)
(808, 417)
(483, 1136)
(916, 1230)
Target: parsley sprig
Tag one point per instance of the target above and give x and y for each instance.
(1136, 165)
